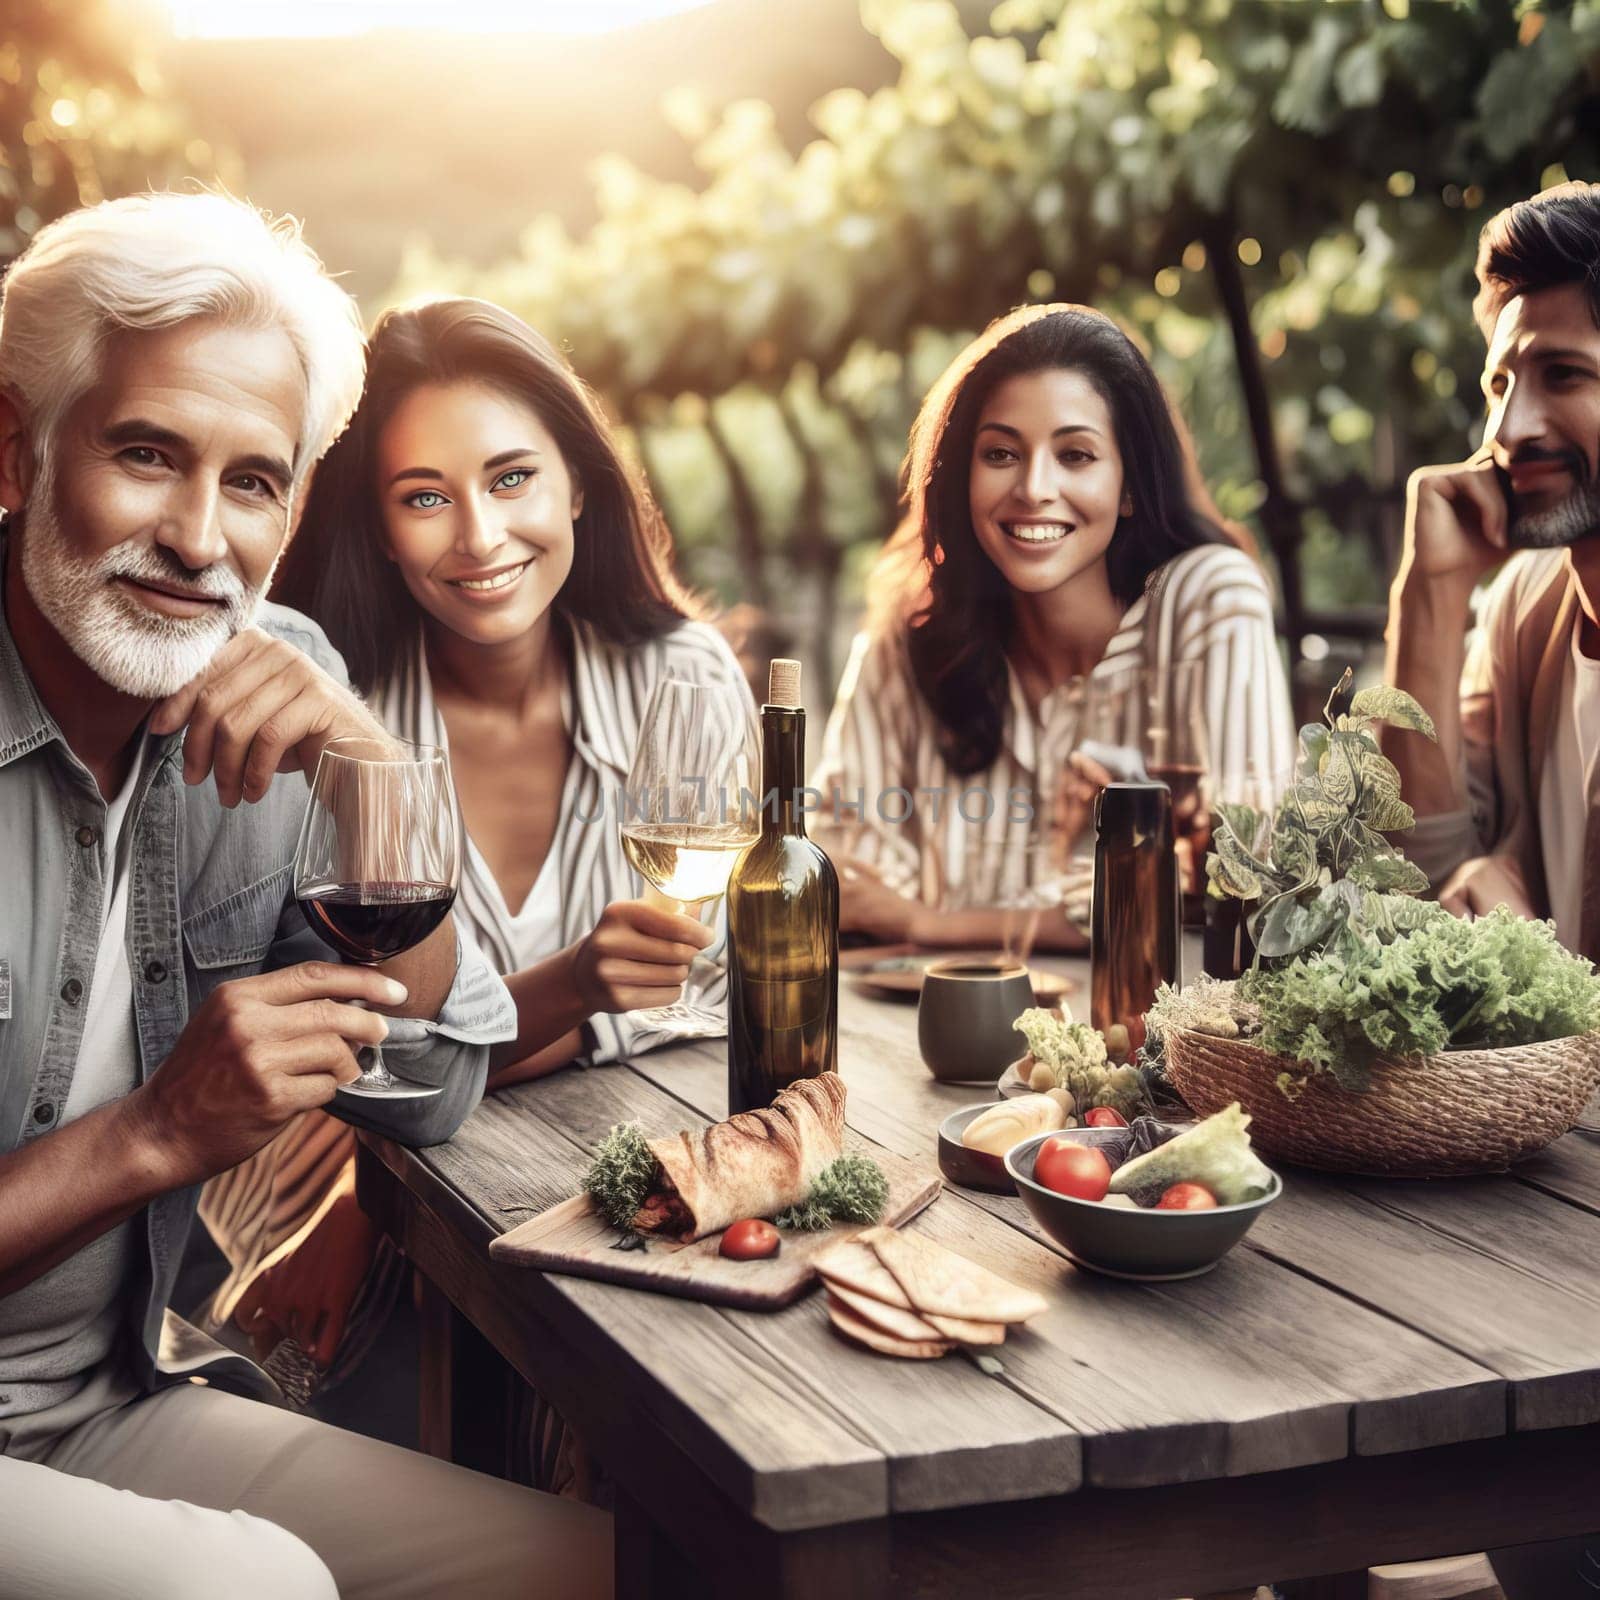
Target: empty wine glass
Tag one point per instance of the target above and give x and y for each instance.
(689, 809)
(378, 862)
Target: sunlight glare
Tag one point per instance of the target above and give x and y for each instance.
(321, 19)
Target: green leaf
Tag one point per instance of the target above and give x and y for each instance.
(1290, 925)
(1520, 88)
(1360, 73)
(1294, 850)
(1390, 873)
(1385, 704)
(1390, 814)
(1245, 823)
(1307, 100)
(1340, 782)
(1242, 883)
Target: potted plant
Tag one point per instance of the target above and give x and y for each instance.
(1374, 1031)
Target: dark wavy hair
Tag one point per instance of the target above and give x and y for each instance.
(1544, 242)
(336, 571)
(935, 583)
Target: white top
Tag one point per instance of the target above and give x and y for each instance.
(535, 930)
(65, 1321)
(1564, 786)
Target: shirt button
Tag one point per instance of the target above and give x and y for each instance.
(87, 836)
(155, 972)
(44, 1113)
(72, 991)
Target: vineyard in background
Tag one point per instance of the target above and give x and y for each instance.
(1280, 201)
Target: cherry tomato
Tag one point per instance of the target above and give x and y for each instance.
(1078, 1170)
(1105, 1117)
(1187, 1197)
(750, 1240)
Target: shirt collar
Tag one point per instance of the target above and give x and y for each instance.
(594, 695)
(24, 722)
(1024, 743)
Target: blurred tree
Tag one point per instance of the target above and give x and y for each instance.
(1279, 200)
(83, 114)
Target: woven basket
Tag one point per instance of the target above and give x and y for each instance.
(1435, 1116)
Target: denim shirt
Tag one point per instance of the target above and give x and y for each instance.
(210, 900)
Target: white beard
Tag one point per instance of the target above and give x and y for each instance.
(121, 641)
(1564, 523)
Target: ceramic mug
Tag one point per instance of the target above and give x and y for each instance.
(965, 1017)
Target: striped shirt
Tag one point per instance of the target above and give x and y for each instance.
(967, 839)
(603, 706)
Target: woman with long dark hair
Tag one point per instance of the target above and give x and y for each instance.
(499, 583)
(1056, 537)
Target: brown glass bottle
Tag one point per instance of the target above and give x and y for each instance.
(783, 926)
(1133, 940)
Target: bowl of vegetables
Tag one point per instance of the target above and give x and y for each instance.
(1145, 1202)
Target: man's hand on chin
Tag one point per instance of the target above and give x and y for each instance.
(260, 708)
(1476, 887)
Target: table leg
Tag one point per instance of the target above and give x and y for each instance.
(649, 1566)
(466, 1389)
(848, 1562)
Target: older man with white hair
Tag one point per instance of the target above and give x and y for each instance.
(171, 367)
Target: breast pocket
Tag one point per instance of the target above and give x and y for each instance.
(232, 938)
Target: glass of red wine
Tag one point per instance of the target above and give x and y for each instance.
(378, 862)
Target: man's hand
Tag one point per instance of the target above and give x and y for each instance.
(307, 1296)
(1478, 886)
(1457, 523)
(258, 1052)
(637, 956)
(261, 707)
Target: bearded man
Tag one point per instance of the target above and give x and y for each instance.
(1508, 801)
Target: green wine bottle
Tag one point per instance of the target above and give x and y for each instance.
(783, 924)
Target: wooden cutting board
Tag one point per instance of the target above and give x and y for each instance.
(574, 1238)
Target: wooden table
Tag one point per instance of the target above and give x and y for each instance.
(1383, 1371)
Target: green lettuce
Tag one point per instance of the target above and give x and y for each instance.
(1446, 985)
(1215, 1152)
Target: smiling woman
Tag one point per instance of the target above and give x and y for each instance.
(499, 585)
(1057, 537)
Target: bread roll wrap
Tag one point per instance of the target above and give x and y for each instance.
(752, 1165)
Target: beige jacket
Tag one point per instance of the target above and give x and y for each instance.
(1509, 686)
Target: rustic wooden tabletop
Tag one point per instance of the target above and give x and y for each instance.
(1382, 1371)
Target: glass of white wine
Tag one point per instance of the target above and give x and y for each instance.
(690, 807)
